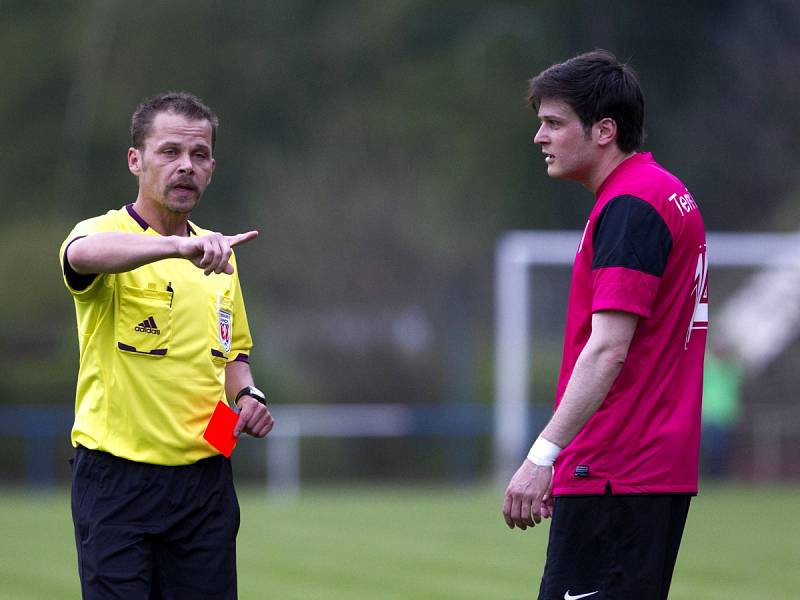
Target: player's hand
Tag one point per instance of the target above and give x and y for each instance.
(528, 496)
(254, 418)
(212, 251)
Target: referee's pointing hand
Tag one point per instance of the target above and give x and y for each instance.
(212, 251)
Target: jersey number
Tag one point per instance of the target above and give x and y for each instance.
(700, 293)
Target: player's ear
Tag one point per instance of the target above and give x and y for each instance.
(606, 131)
(134, 161)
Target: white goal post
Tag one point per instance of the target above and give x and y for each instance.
(518, 252)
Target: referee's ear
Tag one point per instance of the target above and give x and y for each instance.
(134, 161)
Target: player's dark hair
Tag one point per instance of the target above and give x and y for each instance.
(180, 103)
(596, 86)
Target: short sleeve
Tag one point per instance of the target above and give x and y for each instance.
(631, 244)
(76, 283)
(242, 342)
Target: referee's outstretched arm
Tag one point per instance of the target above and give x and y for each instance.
(118, 252)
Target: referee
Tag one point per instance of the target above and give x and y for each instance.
(163, 337)
(616, 465)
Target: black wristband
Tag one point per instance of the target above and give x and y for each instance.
(253, 392)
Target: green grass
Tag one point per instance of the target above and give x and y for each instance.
(412, 543)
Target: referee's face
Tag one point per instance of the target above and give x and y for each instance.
(176, 164)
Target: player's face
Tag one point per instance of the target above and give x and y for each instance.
(176, 164)
(569, 152)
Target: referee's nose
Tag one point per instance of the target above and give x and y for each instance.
(185, 165)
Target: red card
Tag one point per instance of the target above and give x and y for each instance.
(219, 431)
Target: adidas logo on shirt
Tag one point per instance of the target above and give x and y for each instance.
(148, 326)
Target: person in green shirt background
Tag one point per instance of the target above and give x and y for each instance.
(722, 392)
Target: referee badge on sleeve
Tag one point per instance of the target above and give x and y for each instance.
(225, 329)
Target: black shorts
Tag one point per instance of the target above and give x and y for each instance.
(150, 532)
(613, 547)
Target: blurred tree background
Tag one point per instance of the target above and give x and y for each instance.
(381, 148)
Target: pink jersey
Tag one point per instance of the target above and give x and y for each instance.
(643, 251)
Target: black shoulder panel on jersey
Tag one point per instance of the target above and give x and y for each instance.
(630, 233)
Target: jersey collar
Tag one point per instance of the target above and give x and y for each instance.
(143, 224)
(637, 159)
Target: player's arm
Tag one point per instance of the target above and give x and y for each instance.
(599, 363)
(254, 417)
(597, 367)
(117, 252)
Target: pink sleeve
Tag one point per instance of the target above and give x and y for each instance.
(623, 289)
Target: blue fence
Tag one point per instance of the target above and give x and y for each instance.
(43, 433)
(40, 429)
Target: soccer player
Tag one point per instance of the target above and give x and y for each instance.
(616, 464)
(163, 337)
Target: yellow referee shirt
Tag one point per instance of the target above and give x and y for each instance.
(154, 343)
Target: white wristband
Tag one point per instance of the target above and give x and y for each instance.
(543, 452)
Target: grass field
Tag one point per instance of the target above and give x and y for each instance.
(441, 543)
